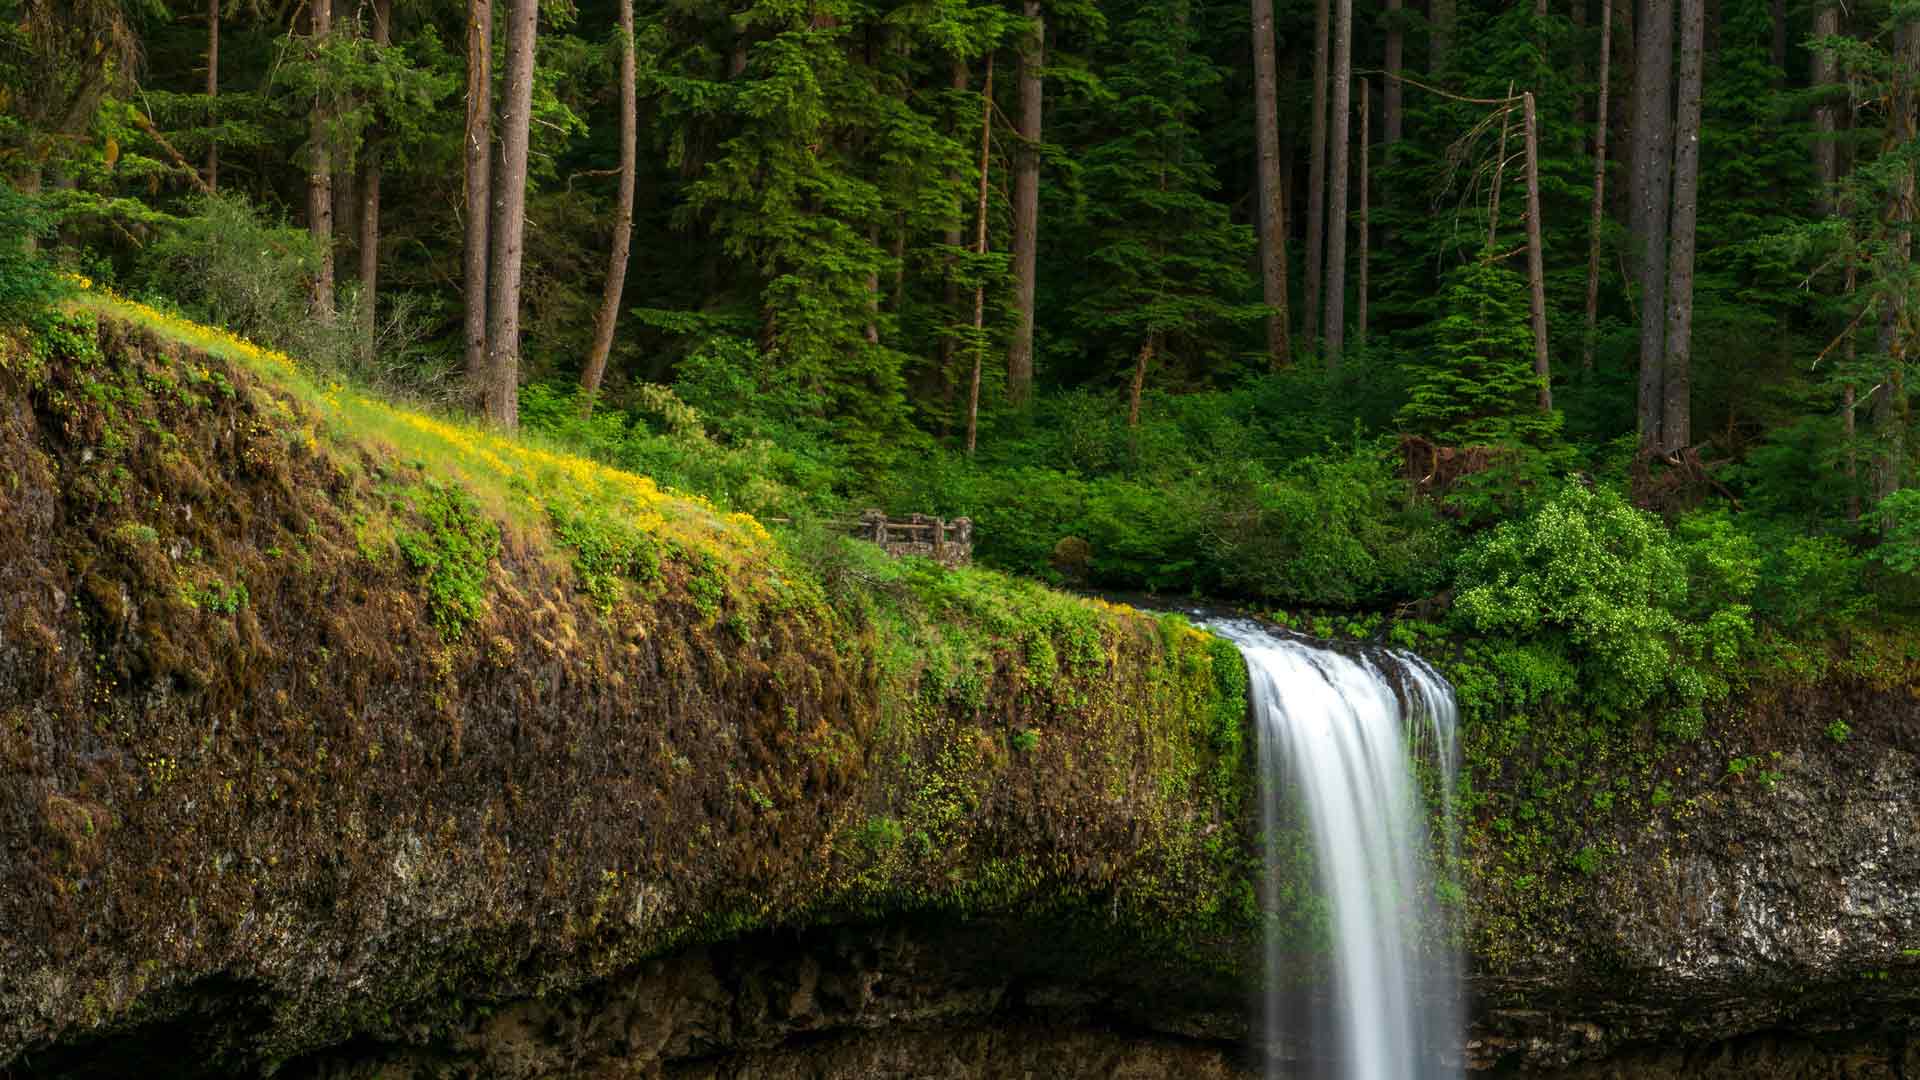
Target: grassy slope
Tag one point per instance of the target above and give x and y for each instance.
(327, 717)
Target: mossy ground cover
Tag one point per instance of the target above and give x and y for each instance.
(350, 715)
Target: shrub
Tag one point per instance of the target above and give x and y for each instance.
(1600, 577)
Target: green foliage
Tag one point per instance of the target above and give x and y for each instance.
(27, 283)
(1604, 581)
(452, 554)
(1477, 386)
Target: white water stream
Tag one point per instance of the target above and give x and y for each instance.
(1339, 736)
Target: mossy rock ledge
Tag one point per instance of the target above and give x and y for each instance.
(324, 756)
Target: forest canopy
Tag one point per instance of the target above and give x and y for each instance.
(1300, 303)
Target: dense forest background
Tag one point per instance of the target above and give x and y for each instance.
(1284, 302)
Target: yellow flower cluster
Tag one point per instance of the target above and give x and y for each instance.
(487, 456)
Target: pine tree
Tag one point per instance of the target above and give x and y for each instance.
(1476, 386)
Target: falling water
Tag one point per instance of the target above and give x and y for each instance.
(1339, 737)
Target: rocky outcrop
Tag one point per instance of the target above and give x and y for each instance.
(318, 758)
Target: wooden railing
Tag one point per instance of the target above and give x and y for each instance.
(947, 542)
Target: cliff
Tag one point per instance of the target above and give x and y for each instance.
(339, 740)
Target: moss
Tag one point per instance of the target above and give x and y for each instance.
(451, 554)
(411, 691)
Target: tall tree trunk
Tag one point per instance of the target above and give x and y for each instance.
(370, 177)
(510, 218)
(1890, 407)
(320, 177)
(1439, 34)
(1360, 222)
(1140, 361)
(873, 287)
(1316, 180)
(1339, 115)
(1536, 257)
(980, 248)
(1652, 155)
(1499, 175)
(1848, 409)
(1599, 186)
(213, 92)
(1273, 211)
(479, 164)
(622, 218)
(1824, 73)
(1676, 424)
(1392, 93)
(1026, 208)
(956, 236)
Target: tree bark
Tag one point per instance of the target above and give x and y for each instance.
(479, 163)
(1652, 155)
(370, 178)
(1439, 34)
(1890, 407)
(213, 92)
(1273, 211)
(1026, 208)
(616, 284)
(1499, 175)
(320, 177)
(980, 248)
(1392, 93)
(1536, 256)
(510, 219)
(1316, 181)
(1824, 73)
(1596, 218)
(955, 236)
(1676, 425)
(1140, 362)
(1360, 222)
(1340, 119)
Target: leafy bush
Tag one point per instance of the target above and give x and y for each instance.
(1605, 582)
(1334, 530)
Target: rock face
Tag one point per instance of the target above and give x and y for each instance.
(264, 806)
(1778, 906)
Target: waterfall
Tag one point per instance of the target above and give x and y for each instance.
(1339, 740)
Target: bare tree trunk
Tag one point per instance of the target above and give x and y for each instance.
(1273, 211)
(510, 218)
(320, 177)
(1366, 206)
(1026, 208)
(1536, 258)
(1440, 34)
(479, 156)
(1890, 407)
(1316, 181)
(622, 218)
(1392, 93)
(1824, 73)
(1652, 155)
(954, 238)
(1340, 118)
(980, 248)
(1848, 408)
(1499, 175)
(1599, 186)
(1676, 424)
(213, 92)
(873, 288)
(369, 216)
(1140, 362)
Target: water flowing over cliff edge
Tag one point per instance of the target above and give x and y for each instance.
(336, 739)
